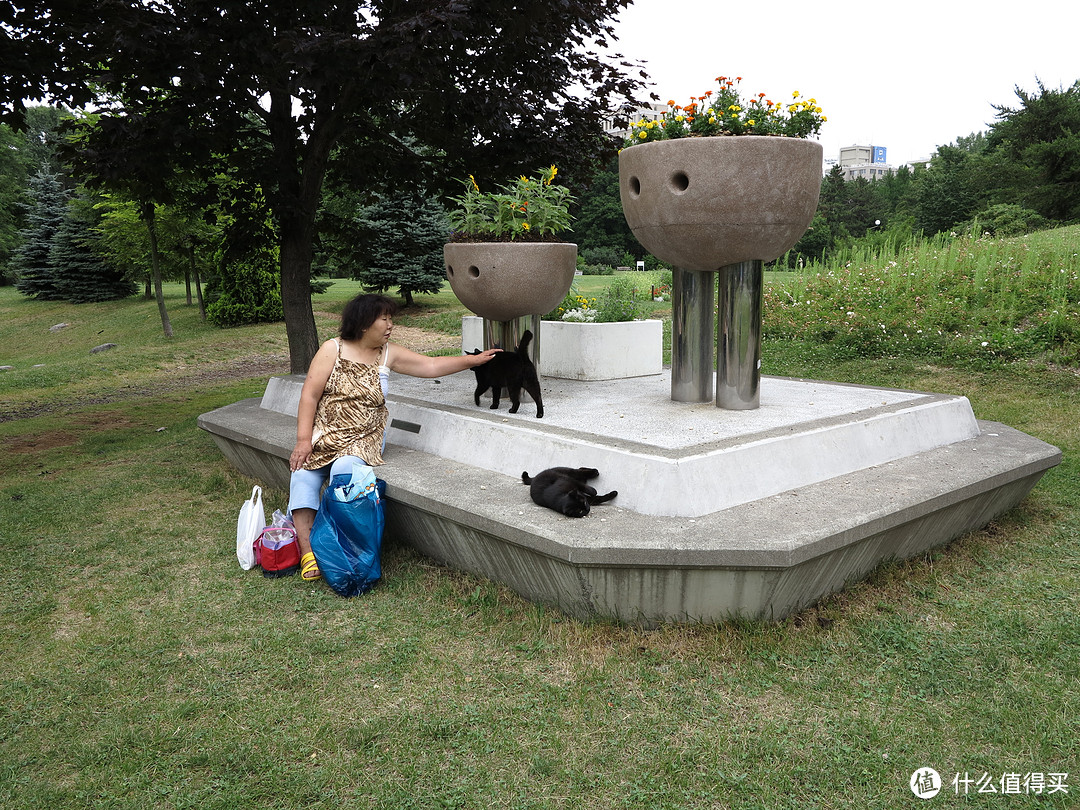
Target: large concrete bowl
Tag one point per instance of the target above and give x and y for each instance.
(501, 281)
(704, 203)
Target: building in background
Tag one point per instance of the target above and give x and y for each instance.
(869, 162)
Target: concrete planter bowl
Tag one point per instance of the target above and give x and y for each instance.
(501, 281)
(705, 203)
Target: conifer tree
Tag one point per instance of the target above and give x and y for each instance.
(35, 274)
(400, 244)
(81, 275)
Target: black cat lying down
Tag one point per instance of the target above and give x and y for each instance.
(515, 371)
(564, 490)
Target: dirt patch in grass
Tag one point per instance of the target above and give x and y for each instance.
(36, 444)
(80, 425)
(178, 378)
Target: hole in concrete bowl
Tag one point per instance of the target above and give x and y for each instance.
(449, 271)
(635, 187)
(680, 182)
(474, 271)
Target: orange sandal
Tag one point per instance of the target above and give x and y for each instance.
(309, 567)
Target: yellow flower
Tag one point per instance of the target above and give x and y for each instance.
(643, 135)
(473, 180)
(750, 123)
(524, 226)
(795, 94)
(551, 176)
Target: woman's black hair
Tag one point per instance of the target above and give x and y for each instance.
(361, 312)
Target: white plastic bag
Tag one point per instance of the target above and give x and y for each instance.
(249, 526)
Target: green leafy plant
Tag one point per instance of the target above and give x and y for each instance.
(529, 209)
(724, 112)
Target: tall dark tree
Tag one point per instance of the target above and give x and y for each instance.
(13, 172)
(1042, 138)
(945, 195)
(599, 220)
(491, 88)
(35, 274)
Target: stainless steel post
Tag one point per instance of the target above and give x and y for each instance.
(693, 332)
(738, 341)
(507, 335)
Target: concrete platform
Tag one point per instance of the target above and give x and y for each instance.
(720, 513)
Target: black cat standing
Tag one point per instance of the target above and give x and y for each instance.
(512, 370)
(564, 490)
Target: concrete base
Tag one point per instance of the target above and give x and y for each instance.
(588, 351)
(720, 514)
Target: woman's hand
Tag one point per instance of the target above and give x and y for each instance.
(485, 356)
(299, 455)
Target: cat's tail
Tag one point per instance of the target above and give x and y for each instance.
(525, 478)
(526, 339)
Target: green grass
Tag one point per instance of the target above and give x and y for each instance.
(973, 301)
(142, 668)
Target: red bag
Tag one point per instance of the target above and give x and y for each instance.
(277, 552)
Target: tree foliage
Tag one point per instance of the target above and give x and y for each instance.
(1042, 137)
(36, 276)
(379, 87)
(599, 220)
(399, 243)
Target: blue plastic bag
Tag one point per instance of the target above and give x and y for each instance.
(347, 534)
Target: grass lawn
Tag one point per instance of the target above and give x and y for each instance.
(142, 668)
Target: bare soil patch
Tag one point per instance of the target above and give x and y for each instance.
(185, 377)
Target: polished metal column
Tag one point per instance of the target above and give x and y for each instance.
(738, 340)
(693, 332)
(507, 335)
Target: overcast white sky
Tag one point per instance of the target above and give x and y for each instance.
(908, 76)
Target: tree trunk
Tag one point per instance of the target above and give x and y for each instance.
(296, 293)
(300, 189)
(155, 263)
(194, 271)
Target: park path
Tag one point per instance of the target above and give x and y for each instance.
(234, 369)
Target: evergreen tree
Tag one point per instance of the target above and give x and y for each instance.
(1042, 137)
(80, 274)
(944, 195)
(246, 289)
(12, 196)
(599, 219)
(400, 244)
(35, 273)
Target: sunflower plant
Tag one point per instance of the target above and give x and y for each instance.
(529, 209)
(724, 112)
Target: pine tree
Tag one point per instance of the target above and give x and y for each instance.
(401, 245)
(80, 274)
(35, 274)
